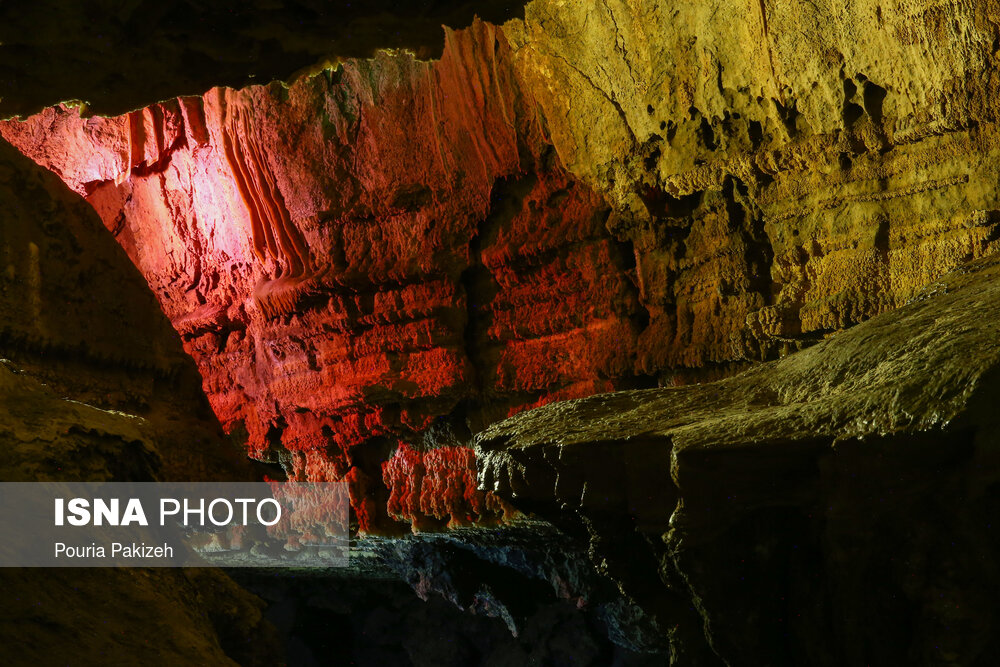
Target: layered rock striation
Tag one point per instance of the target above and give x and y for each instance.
(372, 255)
(94, 386)
(379, 259)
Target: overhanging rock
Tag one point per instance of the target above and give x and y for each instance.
(833, 507)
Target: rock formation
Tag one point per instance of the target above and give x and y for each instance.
(94, 386)
(390, 252)
(783, 170)
(395, 251)
(833, 507)
(387, 252)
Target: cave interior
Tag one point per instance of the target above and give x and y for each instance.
(642, 332)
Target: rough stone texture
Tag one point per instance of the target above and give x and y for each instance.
(380, 253)
(833, 507)
(373, 262)
(94, 386)
(602, 196)
(783, 169)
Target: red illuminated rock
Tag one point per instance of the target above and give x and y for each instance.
(358, 255)
(438, 484)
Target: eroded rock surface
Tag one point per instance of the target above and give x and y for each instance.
(94, 386)
(378, 260)
(834, 507)
(783, 169)
(387, 252)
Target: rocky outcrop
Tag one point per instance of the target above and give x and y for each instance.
(601, 196)
(833, 507)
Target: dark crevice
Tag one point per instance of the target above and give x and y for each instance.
(671, 127)
(756, 134)
(852, 112)
(506, 201)
(745, 216)
(874, 96)
(789, 116)
(707, 134)
(882, 238)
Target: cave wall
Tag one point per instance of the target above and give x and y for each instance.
(95, 386)
(834, 507)
(784, 169)
(372, 262)
(369, 255)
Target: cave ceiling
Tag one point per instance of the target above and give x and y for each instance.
(120, 56)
